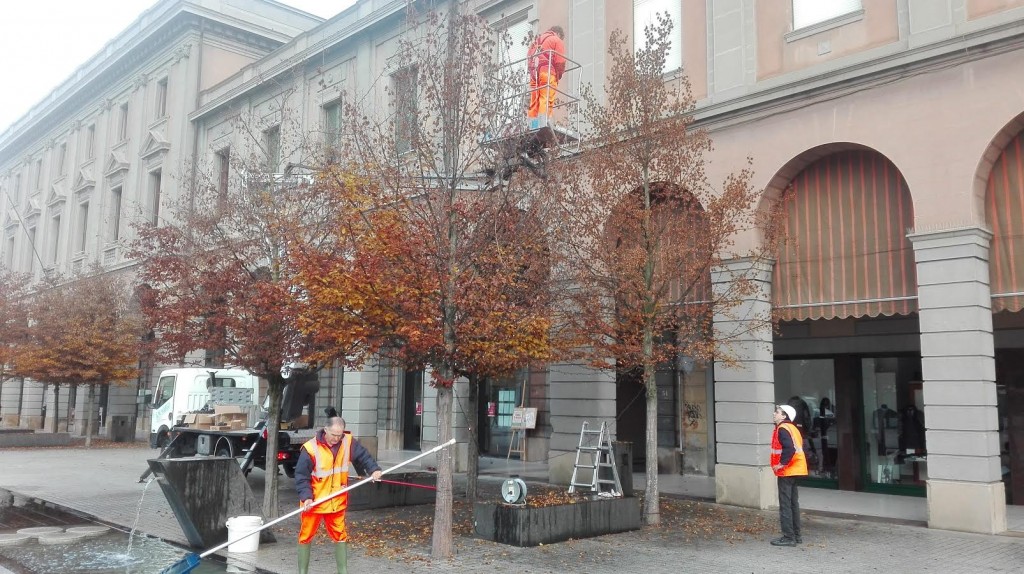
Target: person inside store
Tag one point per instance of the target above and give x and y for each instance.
(803, 424)
(823, 423)
(322, 469)
(788, 462)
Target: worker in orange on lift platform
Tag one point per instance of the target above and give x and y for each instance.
(322, 469)
(546, 65)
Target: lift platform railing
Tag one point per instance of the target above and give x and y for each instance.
(509, 124)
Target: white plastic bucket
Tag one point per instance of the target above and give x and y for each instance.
(239, 526)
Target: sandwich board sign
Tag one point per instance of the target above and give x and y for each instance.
(524, 418)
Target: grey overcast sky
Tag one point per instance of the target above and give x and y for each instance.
(42, 42)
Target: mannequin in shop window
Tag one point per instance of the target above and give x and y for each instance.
(911, 430)
(823, 422)
(882, 419)
(803, 424)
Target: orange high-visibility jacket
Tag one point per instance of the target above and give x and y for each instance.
(330, 473)
(798, 464)
(547, 50)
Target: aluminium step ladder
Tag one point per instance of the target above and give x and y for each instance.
(594, 452)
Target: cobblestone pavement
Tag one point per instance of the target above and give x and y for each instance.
(694, 537)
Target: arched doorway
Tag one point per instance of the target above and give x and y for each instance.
(1004, 213)
(847, 355)
(682, 277)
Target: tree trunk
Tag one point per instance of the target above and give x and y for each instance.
(442, 544)
(651, 493)
(56, 407)
(275, 390)
(72, 403)
(652, 505)
(90, 417)
(473, 448)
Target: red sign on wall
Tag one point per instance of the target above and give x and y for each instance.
(492, 409)
(419, 408)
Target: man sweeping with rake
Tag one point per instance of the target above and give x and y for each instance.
(322, 469)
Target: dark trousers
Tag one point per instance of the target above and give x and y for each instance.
(789, 507)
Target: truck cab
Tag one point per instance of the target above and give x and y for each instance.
(180, 391)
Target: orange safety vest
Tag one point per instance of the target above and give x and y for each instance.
(330, 473)
(798, 464)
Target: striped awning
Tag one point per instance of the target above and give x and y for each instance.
(846, 252)
(1004, 210)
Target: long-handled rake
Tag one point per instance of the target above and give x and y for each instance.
(186, 564)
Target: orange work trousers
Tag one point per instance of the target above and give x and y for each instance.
(542, 93)
(335, 522)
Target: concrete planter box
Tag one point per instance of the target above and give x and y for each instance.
(531, 526)
(30, 438)
(384, 494)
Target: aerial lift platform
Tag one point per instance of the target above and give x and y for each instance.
(516, 140)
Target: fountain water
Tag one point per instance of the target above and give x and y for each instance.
(138, 514)
(100, 551)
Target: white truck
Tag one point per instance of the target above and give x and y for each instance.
(208, 411)
(188, 390)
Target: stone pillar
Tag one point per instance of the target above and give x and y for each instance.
(965, 489)
(460, 431)
(577, 393)
(745, 391)
(359, 405)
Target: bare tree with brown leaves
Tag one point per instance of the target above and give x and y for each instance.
(13, 321)
(218, 272)
(644, 229)
(450, 267)
(82, 332)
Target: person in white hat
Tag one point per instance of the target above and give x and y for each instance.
(788, 462)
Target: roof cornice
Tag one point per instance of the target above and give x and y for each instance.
(280, 62)
(153, 31)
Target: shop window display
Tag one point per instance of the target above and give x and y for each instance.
(894, 425)
(808, 385)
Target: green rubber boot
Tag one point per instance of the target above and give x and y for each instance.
(341, 557)
(304, 550)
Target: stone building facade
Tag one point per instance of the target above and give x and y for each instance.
(894, 127)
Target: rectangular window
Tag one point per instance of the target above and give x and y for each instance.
(808, 385)
(332, 125)
(122, 122)
(114, 220)
(404, 85)
(893, 421)
(54, 239)
(155, 182)
(272, 141)
(83, 227)
(90, 141)
(223, 173)
(32, 252)
(160, 108)
(810, 12)
(512, 51)
(62, 156)
(645, 14)
(9, 253)
(37, 175)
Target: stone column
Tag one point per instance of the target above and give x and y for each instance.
(965, 489)
(577, 393)
(745, 391)
(460, 430)
(359, 404)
